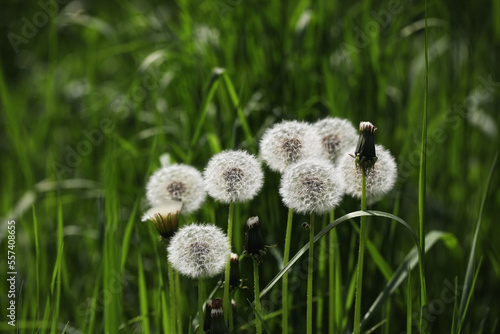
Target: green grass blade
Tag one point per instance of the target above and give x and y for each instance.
(470, 294)
(143, 296)
(132, 220)
(37, 261)
(408, 303)
(422, 177)
(241, 116)
(325, 230)
(213, 83)
(402, 271)
(470, 264)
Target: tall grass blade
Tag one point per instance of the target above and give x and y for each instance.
(402, 271)
(325, 230)
(470, 264)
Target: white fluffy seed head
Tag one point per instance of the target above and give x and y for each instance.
(288, 142)
(199, 250)
(233, 176)
(311, 186)
(176, 182)
(379, 180)
(338, 137)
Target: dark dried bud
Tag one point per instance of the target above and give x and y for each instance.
(218, 325)
(254, 242)
(365, 150)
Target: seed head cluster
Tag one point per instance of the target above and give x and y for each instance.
(233, 176)
(199, 250)
(311, 186)
(176, 182)
(288, 142)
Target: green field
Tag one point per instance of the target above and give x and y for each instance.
(93, 93)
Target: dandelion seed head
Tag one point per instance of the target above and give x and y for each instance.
(311, 186)
(288, 142)
(380, 179)
(177, 182)
(338, 137)
(233, 176)
(199, 250)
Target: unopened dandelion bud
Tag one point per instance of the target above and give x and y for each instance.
(165, 217)
(365, 150)
(234, 272)
(218, 326)
(254, 242)
(380, 179)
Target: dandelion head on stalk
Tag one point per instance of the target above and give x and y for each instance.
(365, 153)
(199, 250)
(337, 137)
(233, 176)
(380, 178)
(165, 217)
(288, 142)
(311, 186)
(177, 182)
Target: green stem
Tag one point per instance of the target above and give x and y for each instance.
(171, 285)
(422, 182)
(286, 258)
(310, 268)
(201, 302)
(331, 276)
(177, 299)
(227, 297)
(320, 285)
(362, 240)
(258, 324)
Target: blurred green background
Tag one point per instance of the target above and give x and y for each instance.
(92, 93)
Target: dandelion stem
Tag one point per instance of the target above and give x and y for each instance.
(171, 285)
(177, 299)
(227, 297)
(331, 277)
(286, 258)
(310, 268)
(258, 324)
(201, 302)
(362, 240)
